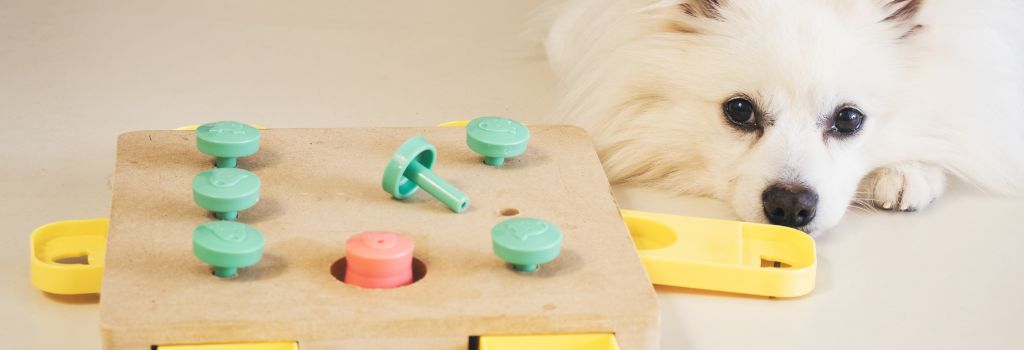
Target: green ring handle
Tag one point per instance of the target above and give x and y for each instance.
(409, 169)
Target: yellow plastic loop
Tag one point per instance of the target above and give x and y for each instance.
(67, 256)
(721, 255)
(459, 123)
(455, 123)
(596, 341)
(196, 126)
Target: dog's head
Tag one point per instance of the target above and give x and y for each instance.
(768, 105)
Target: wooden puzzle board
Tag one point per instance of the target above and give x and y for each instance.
(321, 186)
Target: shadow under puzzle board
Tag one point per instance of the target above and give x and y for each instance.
(321, 186)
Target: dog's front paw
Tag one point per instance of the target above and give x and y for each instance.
(905, 186)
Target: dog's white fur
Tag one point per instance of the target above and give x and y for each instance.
(648, 80)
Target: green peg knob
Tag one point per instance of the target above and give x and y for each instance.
(496, 138)
(226, 191)
(227, 246)
(410, 169)
(526, 242)
(227, 140)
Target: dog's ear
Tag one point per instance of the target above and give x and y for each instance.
(702, 8)
(903, 14)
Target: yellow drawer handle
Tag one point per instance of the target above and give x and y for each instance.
(722, 255)
(594, 341)
(235, 346)
(67, 256)
(459, 123)
(193, 127)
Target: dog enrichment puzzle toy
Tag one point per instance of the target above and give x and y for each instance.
(594, 296)
(157, 293)
(526, 242)
(410, 168)
(497, 138)
(226, 191)
(227, 246)
(227, 140)
(378, 260)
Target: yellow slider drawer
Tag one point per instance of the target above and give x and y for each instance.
(722, 255)
(236, 346)
(596, 341)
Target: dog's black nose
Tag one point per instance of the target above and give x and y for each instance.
(789, 204)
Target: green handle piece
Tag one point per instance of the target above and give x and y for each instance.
(410, 169)
(227, 140)
(497, 138)
(227, 246)
(226, 191)
(526, 242)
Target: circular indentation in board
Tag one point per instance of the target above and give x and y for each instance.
(419, 270)
(509, 212)
(649, 234)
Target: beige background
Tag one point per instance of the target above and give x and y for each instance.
(75, 74)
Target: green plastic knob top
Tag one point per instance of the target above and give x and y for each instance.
(410, 169)
(227, 246)
(227, 140)
(496, 138)
(526, 242)
(226, 191)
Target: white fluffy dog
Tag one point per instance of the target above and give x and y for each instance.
(792, 109)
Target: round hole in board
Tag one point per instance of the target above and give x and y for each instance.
(419, 270)
(509, 212)
(649, 234)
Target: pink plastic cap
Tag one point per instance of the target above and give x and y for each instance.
(378, 259)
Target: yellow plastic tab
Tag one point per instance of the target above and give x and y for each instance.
(721, 255)
(595, 341)
(196, 126)
(455, 123)
(67, 256)
(460, 123)
(236, 346)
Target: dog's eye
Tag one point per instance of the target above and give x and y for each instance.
(848, 120)
(740, 111)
